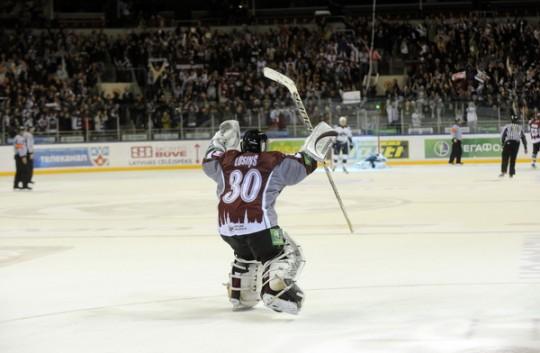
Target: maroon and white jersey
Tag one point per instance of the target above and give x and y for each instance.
(534, 125)
(248, 185)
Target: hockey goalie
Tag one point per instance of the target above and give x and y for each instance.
(249, 179)
(373, 161)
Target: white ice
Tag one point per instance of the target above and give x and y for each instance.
(444, 259)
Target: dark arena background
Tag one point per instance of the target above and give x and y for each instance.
(426, 239)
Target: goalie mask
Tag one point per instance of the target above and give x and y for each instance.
(343, 121)
(254, 141)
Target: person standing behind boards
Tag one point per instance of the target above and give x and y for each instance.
(472, 117)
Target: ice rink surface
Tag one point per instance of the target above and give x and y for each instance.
(444, 259)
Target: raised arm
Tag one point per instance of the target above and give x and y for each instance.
(227, 138)
(293, 169)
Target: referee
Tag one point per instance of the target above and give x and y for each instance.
(511, 135)
(457, 151)
(21, 161)
(29, 138)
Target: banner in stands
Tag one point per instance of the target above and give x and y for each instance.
(472, 147)
(37, 140)
(94, 156)
(391, 149)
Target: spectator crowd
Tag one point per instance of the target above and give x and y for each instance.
(191, 75)
(483, 62)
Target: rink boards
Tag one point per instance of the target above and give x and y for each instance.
(188, 154)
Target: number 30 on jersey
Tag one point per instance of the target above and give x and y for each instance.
(246, 187)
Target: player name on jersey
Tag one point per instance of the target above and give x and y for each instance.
(246, 161)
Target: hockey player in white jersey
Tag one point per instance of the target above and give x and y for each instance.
(342, 144)
(534, 126)
(249, 180)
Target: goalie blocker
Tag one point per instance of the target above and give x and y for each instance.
(267, 261)
(319, 142)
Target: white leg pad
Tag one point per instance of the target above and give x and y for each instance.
(243, 287)
(279, 290)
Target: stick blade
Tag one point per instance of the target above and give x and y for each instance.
(279, 78)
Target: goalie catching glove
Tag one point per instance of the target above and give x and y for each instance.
(227, 138)
(319, 142)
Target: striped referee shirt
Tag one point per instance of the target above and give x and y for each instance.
(455, 131)
(19, 145)
(513, 132)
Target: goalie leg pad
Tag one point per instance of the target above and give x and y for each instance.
(243, 287)
(279, 290)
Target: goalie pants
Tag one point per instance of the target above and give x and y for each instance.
(255, 246)
(509, 155)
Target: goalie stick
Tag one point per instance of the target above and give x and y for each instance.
(291, 86)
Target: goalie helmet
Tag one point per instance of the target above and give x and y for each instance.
(254, 141)
(343, 121)
(514, 118)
